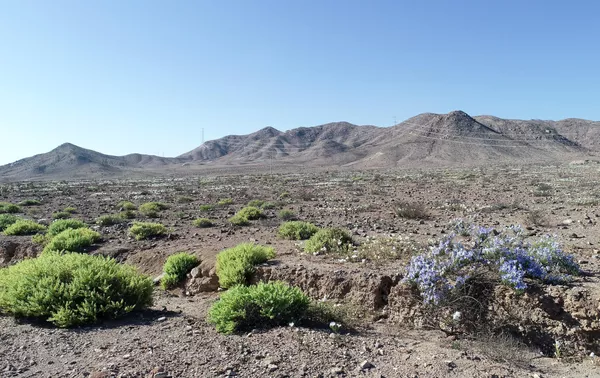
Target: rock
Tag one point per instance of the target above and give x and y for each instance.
(567, 222)
(365, 365)
(272, 367)
(161, 319)
(336, 370)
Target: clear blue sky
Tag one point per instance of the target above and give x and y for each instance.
(122, 76)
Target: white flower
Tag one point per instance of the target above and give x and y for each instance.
(456, 316)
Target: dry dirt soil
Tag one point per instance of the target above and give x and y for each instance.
(173, 339)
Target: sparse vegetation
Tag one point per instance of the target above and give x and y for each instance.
(61, 215)
(61, 225)
(146, 230)
(203, 222)
(385, 248)
(297, 230)
(263, 305)
(109, 220)
(329, 240)
(176, 267)
(411, 210)
(185, 199)
(70, 210)
(9, 208)
(126, 205)
(286, 215)
(72, 240)
(537, 218)
(235, 265)
(250, 213)
(152, 209)
(30, 202)
(206, 207)
(225, 202)
(127, 214)
(238, 220)
(256, 203)
(7, 220)
(71, 289)
(24, 227)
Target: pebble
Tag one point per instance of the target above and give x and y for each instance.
(161, 319)
(365, 365)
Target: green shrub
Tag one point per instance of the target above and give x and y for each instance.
(268, 205)
(7, 220)
(203, 222)
(61, 225)
(109, 220)
(151, 209)
(9, 208)
(206, 207)
(61, 215)
(145, 230)
(329, 240)
(265, 304)
(176, 267)
(72, 240)
(40, 239)
(30, 202)
(70, 210)
(297, 230)
(24, 227)
(71, 289)
(286, 214)
(185, 199)
(127, 214)
(256, 203)
(225, 202)
(250, 213)
(235, 265)
(238, 220)
(126, 205)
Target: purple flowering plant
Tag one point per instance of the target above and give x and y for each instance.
(450, 264)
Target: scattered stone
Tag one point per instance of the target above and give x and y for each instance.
(161, 319)
(365, 365)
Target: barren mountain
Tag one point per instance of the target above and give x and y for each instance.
(71, 161)
(425, 140)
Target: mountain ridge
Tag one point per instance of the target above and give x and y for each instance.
(426, 139)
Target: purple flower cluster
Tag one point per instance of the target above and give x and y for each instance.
(449, 264)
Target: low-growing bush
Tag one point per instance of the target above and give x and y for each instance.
(235, 265)
(24, 227)
(72, 240)
(225, 202)
(126, 205)
(145, 230)
(263, 305)
(109, 220)
(297, 230)
(151, 209)
(286, 214)
(238, 220)
(61, 225)
(329, 240)
(505, 255)
(203, 222)
(61, 215)
(411, 210)
(176, 267)
(206, 207)
(7, 220)
(71, 289)
(127, 214)
(268, 205)
(9, 208)
(256, 203)
(250, 213)
(30, 202)
(70, 210)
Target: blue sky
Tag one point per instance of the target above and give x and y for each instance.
(146, 76)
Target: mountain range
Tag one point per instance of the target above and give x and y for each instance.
(424, 140)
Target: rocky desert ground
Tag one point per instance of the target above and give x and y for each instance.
(384, 335)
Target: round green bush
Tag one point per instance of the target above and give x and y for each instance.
(329, 240)
(176, 267)
(61, 215)
(6, 207)
(61, 225)
(235, 265)
(203, 222)
(72, 289)
(7, 220)
(250, 213)
(297, 230)
(24, 227)
(72, 240)
(265, 304)
(145, 230)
